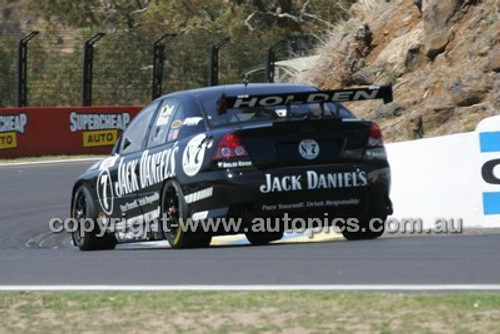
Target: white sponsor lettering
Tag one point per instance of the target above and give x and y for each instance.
(134, 175)
(311, 204)
(234, 164)
(283, 183)
(271, 101)
(317, 98)
(192, 121)
(83, 122)
(127, 178)
(13, 123)
(314, 181)
(354, 179)
(199, 195)
(301, 98)
(157, 167)
(149, 199)
(136, 203)
(241, 103)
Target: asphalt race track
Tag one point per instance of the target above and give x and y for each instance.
(30, 195)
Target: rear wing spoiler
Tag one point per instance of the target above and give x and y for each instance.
(320, 96)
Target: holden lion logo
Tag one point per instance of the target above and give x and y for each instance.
(309, 149)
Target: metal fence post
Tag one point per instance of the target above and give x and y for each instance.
(213, 79)
(271, 59)
(88, 66)
(158, 61)
(22, 69)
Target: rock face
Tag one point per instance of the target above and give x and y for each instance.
(402, 52)
(436, 20)
(494, 61)
(442, 56)
(350, 58)
(468, 91)
(388, 110)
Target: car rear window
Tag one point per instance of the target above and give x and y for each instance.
(275, 113)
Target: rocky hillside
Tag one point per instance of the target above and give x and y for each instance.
(443, 57)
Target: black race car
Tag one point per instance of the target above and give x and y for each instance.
(225, 159)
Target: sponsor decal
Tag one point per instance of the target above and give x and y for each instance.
(121, 228)
(234, 164)
(105, 191)
(98, 129)
(140, 202)
(194, 154)
(314, 181)
(311, 204)
(192, 121)
(10, 126)
(100, 138)
(176, 124)
(325, 96)
(8, 140)
(93, 122)
(149, 199)
(309, 149)
(129, 206)
(165, 114)
(199, 195)
(153, 168)
(490, 171)
(172, 135)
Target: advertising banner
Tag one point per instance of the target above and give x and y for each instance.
(62, 130)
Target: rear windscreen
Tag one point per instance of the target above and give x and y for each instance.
(275, 113)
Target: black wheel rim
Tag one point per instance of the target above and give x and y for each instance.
(171, 210)
(80, 212)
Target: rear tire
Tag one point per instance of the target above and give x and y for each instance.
(263, 238)
(174, 207)
(364, 231)
(83, 207)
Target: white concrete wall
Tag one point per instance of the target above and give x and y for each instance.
(441, 177)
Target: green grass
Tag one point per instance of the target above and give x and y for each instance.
(48, 157)
(249, 312)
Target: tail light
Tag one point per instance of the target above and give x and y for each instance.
(375, 149)
(375, 138)
(230, 146)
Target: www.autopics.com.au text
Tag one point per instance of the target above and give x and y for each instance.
(141, 228)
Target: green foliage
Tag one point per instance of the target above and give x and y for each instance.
(124, 58)
(8, 58)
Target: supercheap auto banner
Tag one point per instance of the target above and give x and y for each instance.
(62, 130)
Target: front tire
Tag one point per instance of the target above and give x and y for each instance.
(176, 231)
(83, 208)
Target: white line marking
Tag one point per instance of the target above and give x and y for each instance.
(312, 287)
(48, 162)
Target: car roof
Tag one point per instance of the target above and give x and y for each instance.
(242, 89)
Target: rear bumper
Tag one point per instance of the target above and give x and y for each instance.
(355, 190)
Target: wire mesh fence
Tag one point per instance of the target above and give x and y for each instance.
(123, 66)
(8, 63)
